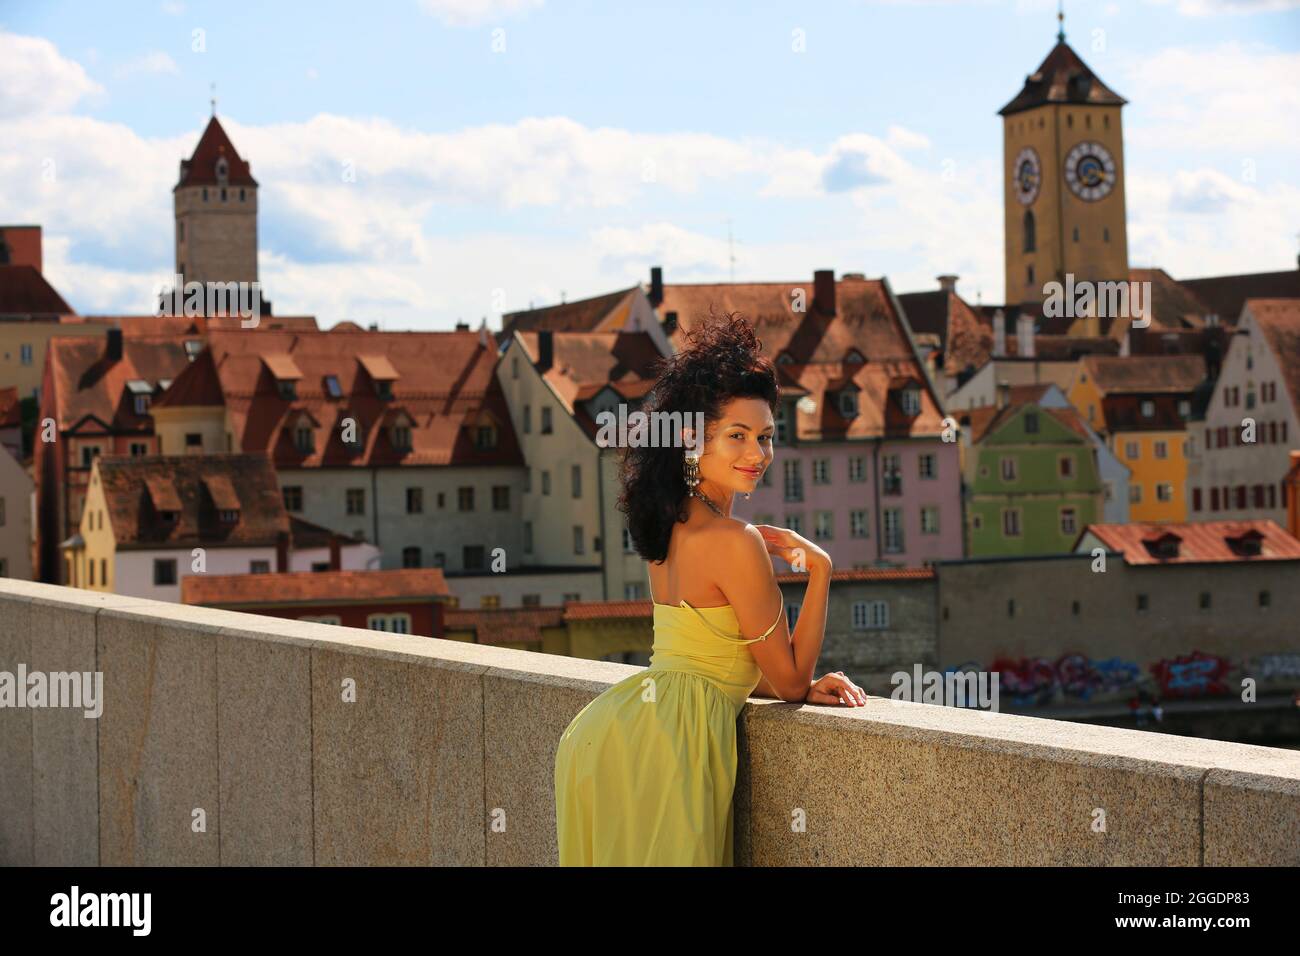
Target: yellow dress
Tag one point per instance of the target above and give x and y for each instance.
(644, 774)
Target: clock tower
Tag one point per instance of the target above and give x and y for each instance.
(1063, 169)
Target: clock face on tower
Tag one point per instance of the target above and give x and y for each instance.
(1028, 174)
(1090, 171)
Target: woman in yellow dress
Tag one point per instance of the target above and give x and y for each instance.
(645, 773)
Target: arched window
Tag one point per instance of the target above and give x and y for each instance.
(1031, 242)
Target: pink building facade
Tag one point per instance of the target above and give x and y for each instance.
(867, 503)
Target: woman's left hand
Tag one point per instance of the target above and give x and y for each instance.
(836, 689)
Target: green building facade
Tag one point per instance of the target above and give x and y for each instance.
(1031, 483)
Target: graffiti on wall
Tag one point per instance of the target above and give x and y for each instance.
(1036, 680)
(1196, 675)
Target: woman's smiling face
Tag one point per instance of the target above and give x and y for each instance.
(739, 446)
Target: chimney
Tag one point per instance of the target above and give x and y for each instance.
(948, 283)
(1004, 394)
(462, 326)
(282, 552)
(999, 334)
(21, 246)
(374, 326)
(114, 351)
(1025, 336)
(824, 291)
(545, 350)
(1293, 496)
(336, 553)
(656, 295)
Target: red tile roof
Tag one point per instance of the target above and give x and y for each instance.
(1226, 295)
(445, 389)
(199, 325)
(24, 291)
(583, 364)
(88, 383)
(1198, 542)
(865, 574)
(602, 313)
(514, 625)
(607, 610)
(201, 168)
(810, 349)
(1062, 78)
(1174, 304)
(196, 487)
(314, 587)
(1145, 374)
(1279, 321)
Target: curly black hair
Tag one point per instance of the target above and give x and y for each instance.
(721, 360)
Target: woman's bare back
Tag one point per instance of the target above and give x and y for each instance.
(690, 572)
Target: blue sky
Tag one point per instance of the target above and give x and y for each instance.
(422, 162)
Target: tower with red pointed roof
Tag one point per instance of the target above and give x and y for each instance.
(1063, 174)
(215, 202)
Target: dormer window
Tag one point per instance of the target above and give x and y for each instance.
(168, 516)
(1164, 547)
(1184, 408)
(849, 403)
(142, 404)
(785, 358)
(910, 397)
(1148, 409)
(288, 389)
(1248, 545)
(358, 441)
(332, 387)
(486, 438)
(384, 390)
(229, 516)
(223, 172)
(304, 439)
(854, 357)
(192, 347)
(402, 437)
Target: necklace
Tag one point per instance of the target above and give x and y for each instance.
(708, 501)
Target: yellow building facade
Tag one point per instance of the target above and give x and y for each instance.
(1158, 462)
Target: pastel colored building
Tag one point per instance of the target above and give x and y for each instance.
(1253, 419)
(152, 522)
(1031, 478)
(1142, 404)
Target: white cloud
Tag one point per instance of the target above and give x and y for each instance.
(1209, 8)
(469, 13)
(149, 63)
(35, 78)
(901, 138)
(173, 8)
(1230, 97)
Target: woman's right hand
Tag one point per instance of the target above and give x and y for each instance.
(794, 549)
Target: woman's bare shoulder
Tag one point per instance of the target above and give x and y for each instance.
(732, 534)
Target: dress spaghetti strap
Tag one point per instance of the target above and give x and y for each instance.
(735, 640)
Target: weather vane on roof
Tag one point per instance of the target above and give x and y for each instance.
(214, 99)
(1060, 20)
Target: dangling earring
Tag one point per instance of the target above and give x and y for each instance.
(691, 470)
